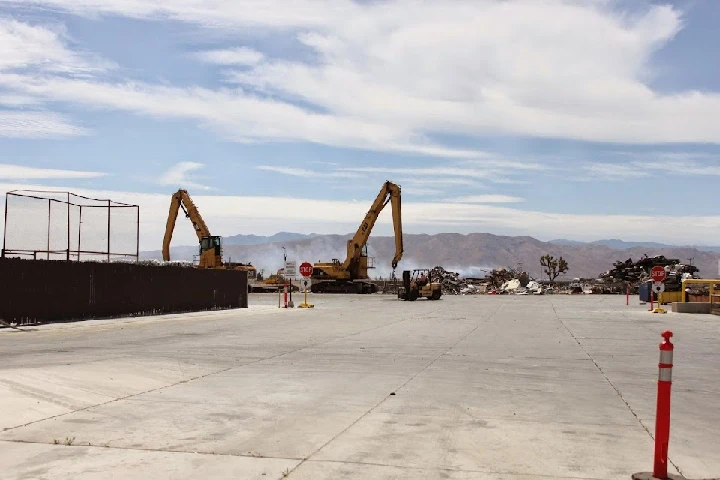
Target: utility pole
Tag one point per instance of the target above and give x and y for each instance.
(285, 273)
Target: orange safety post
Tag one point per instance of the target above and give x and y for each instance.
(662, 417)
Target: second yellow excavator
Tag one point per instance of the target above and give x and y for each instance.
(351, 276)
(210, 254)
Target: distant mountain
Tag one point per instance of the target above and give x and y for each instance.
(187, 252)
(471, 254)
(260, 240)
(564, 241)
(623, 245)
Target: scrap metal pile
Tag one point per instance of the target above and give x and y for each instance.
(500, 280)
(638, 272)
(451, 282)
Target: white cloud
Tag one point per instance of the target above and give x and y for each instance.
(428, 180)
(677, 165)
(485, 199)
(214, 13)
(506, 165)
(19, 172)
(392, 75)
(612, 171)
(23, 45)
(24, 124)
(680, 167)
(233, 113)
(231, 56)
(11, 100)
(303, 172)
(177, 176)
(427, 171)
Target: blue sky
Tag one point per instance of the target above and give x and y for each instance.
(582, 120)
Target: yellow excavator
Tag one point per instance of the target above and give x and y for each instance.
(351, 276)
(210, 245)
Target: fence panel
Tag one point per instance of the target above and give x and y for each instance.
(50, 291)
(55, 225)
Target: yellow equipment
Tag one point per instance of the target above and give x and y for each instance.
(210, 245)
(351, 276)
(417, 284)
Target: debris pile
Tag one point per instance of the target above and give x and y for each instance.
(500, 280)
(500, 276)
(451, 282)
(635, 273)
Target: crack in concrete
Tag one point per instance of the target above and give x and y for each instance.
(149, 449)
(395, 390)
(115, 400)
(197, 377)
(607, 379)
(450, 469)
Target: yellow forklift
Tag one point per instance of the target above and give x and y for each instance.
(418, 283)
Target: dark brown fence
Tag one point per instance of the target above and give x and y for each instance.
(50, 291)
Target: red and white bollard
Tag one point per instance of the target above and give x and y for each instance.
(652, 296)
(662, 417)
(627, 294)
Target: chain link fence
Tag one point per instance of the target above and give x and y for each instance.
(52, 225)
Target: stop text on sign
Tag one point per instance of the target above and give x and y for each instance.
(658, 273)
(306, 269)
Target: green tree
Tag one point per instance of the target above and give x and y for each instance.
(553, 267)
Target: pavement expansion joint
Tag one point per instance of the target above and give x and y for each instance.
(118, 399)
(132, 396)
(394, 391)
(607, 379)
(149, 449)
(455, 469)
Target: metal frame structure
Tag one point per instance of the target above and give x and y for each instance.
(711, 282)
(70, 254)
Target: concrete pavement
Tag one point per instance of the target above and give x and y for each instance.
(476, 387)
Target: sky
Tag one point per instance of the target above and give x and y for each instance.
(556, 119)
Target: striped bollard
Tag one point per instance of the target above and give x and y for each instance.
(662, 415)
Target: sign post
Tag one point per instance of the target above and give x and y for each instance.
(290, 272)
(658, 274)
(306, 270)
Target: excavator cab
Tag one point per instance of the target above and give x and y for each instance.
(210, 252)
(211, 243)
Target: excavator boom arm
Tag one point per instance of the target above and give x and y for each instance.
(181, 199)
(389, 192)
(397, 225)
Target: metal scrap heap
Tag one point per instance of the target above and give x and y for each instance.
(638, 272)
(501, 280)
(450, 281)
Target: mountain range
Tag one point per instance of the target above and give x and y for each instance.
(260, 240)
(472, 254)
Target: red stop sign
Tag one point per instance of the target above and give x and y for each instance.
(658, 273)
(306, 269)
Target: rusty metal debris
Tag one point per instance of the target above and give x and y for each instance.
(634, 273)
(497, 281)
(451, 282)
